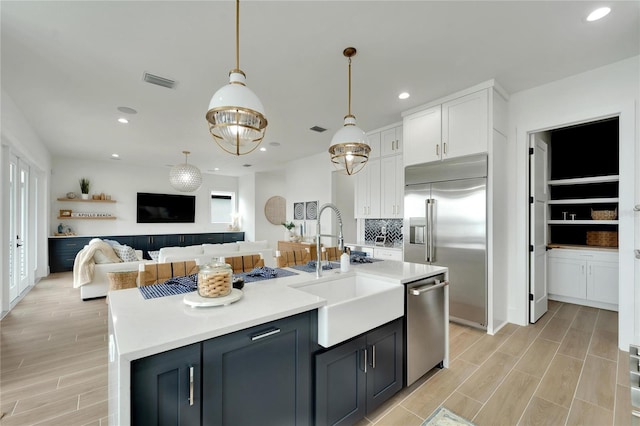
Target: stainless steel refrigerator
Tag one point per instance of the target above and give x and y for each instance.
(445, 224)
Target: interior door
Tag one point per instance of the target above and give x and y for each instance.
(538, 210)
(13, 243)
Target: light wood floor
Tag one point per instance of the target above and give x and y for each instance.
(565, 369)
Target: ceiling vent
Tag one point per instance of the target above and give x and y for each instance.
(158, 81)
(318, 129)
(247, 165)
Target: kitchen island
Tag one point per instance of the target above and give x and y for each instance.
(140, 328)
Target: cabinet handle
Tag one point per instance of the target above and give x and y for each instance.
(582, 269)
(589, 269)
(373, 356)
(444, 145)
(191, 385)
(364, 351)
(437, 149)
(265, 334)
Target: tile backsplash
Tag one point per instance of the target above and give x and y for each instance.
(373, 228)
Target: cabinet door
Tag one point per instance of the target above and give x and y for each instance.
(385, 355)
(259, 376)
(367, 193)
(465, 125)
(399, 187)
(165, 388)
(211, 238)
(567, 277)
(374, 181)
(374, 144)
(389, 187)
(341, 384)
(391, 141)
(422, 136)
(602, 281)
(232, 237)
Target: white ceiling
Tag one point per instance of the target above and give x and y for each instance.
(69, 65)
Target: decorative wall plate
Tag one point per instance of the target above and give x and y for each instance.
(275, 210)
(298, 211)
(311, 209)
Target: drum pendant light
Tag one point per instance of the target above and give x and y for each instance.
(236, 115)
(185, 177)
(349, 148)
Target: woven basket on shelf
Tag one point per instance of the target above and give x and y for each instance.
(602, 238)
(604, 214)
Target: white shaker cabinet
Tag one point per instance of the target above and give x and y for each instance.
(585, 277)
(367, 202)
(455, 128)
(391, 141)
(392, 187)
(422, 136)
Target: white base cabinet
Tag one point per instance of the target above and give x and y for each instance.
(584, 277)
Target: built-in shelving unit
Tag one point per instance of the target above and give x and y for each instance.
(80, 200)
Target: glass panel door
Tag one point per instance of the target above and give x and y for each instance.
(13, 185)
(22, 226)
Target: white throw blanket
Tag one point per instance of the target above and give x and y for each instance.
(84, 265)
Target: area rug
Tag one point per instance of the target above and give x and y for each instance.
(444, 417)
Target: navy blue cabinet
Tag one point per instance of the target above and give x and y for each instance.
(63, 250)
(257, 376)
(165, 388)
(354, 378)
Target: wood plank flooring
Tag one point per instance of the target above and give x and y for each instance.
(564, 370)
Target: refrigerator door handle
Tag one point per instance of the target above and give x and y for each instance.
(429, 210)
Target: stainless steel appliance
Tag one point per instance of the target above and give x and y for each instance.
(425, 326)
(445, 207)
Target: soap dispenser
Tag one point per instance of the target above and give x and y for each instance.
(345, 260)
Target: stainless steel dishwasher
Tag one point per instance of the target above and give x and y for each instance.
(425, 325)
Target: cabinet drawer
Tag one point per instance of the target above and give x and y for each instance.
(388, 254)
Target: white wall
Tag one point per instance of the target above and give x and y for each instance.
(246, 205)
(123, 181)
(268, 185)
(606, 91)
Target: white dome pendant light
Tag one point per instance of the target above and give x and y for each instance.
(236, 115)
(349, 148)
(185, 177)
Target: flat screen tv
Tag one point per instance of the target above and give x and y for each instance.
(166, 208)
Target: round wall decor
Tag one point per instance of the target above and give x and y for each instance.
(275, 210)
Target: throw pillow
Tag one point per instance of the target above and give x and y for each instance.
(126, 253)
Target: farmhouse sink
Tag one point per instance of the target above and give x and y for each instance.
(355, 305)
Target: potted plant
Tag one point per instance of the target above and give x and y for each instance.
(84, 188)
(289, 234)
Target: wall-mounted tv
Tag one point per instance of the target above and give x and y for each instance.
(166, 208)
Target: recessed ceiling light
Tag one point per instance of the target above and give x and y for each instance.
(215, 169)
(598, 14)
(127, 110)
(115, 156)
(263, 149)
(404, 95)
(123, 120)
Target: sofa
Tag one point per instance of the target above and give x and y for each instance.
(205, 253)
(99, 286)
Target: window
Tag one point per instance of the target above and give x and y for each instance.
(223, 206)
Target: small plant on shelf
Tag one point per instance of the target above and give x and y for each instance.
(84, 185)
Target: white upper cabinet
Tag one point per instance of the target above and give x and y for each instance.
(374, 144)
(392, 187)
(454, 128)
(367, 193)
(422, 136)
(464, 125)
(391, 141)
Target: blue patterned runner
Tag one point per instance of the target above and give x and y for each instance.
(181, 285)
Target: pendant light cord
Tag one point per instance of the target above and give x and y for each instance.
(237, 34)
(349, 85)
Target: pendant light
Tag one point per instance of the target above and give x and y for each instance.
(349, 148)
(236, 115)
(185, 177)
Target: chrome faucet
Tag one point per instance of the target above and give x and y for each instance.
(318, 235)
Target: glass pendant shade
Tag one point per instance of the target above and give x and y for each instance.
(236, 116)
(349, 148)
(185, 177)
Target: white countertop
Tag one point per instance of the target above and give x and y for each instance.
(143, 327)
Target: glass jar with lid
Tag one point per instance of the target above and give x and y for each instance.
(214, 279)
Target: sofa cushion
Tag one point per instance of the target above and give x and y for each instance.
(252, 245)
(182, 251)
(126, 253)
(219, 249)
